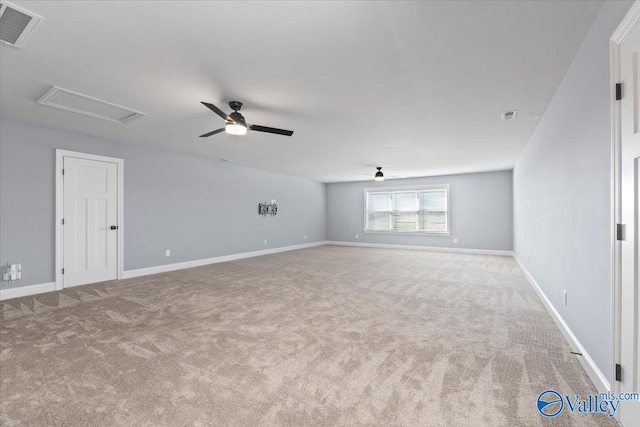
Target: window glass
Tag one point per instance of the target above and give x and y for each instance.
(418, 210)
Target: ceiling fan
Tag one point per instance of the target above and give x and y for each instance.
(235, 123)
(379, 176)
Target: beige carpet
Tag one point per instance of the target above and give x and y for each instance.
(322, 336)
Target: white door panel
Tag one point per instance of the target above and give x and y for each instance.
(628, 250)
(90, 197)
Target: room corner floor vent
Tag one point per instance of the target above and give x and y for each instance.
(16, 24)
(509, 115)
(64, 99)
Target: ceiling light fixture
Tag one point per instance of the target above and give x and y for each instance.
(235, 123)
(379, 174)
(235, 128)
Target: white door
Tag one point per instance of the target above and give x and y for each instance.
(90, 213)
(629, 196)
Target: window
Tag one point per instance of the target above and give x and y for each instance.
(422, 210)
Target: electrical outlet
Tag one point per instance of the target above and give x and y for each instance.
(12, 272)
(357, 237)
(455, 240)
(564, 296)
(265, 241)
(167, 252)
(305, 237)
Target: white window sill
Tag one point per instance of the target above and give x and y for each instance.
(410, 233)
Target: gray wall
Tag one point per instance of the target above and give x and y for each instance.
(481, 212)
(562, 220)
(195, 207)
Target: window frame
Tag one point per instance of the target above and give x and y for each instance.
(445, 187)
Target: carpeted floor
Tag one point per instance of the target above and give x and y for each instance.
(316, 337)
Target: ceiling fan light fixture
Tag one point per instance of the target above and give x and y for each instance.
(379, 175)
(235, 123)
(235, 128)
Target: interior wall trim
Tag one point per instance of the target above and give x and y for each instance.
(206, 261)
(24, 291)
(615, 76)
(595, 374)
(597, 377)
(423, 248)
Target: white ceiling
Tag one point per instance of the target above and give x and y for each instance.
(415, 87)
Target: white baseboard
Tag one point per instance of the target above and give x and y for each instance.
(200, 262)
(423, 248)
(597, 378)
(23, 291)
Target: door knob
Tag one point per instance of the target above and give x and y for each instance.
(114, 227)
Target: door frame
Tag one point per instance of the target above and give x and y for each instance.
(60, 155)
(629, 22)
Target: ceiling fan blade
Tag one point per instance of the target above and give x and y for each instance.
(216, 110)
(271, 130)
(212, 133)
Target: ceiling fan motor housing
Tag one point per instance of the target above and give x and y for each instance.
(235, 105)
(237, 117)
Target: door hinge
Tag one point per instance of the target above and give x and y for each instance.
(62, 221)
(619, 231)
(618, 372)
(618, 91)
(63, 271)
(62, 171)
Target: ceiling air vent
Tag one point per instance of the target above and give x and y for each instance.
(509, 115)
(64, 99)
(16, 24)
